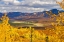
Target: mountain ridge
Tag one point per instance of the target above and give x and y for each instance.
(36, 16)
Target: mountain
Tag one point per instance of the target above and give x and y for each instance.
(1, 14)
(36, 16)
(55, 11)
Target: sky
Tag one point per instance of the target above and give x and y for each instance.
(28, 5)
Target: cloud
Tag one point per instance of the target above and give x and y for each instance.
(28, 5)
(13, 2)
(59, 0)
(7, 0)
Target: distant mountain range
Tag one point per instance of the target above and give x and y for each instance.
(36, 16)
